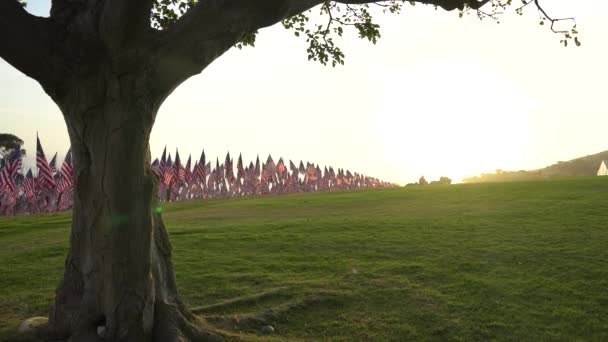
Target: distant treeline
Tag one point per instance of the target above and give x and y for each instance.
(584, 166)
(422, 181)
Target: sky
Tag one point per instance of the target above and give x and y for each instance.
(436, 96)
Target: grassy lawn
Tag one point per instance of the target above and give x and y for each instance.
(512, 261)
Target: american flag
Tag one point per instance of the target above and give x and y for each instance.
(292, 166)
(270, 163)
(178, 170)
(311, 173)
(168, 178)
(45, 174)
(281, 168)
(188, 170)
(219, 172)
(194, 177)
(240, 173)
(208, 168)
(266, 177)
(67, 173)
(202, 160)
(29, 186)
(199, 172)
(11, 196)
(271, 167)
(229, 169)
(163, 162)
(53, 164)
(12, 165)
(66, 200)
(301, 168)
(332, 173)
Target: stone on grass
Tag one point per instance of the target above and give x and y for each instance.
(30, 325)
(267, 330)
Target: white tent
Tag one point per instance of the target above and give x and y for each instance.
(603, 171)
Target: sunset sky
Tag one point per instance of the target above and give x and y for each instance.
(436, 96)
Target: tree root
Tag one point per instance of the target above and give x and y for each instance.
(245, 322)
(175, 324)
(251, 299)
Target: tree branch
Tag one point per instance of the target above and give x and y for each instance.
(24, 41)
(448, 5)
(212, 27)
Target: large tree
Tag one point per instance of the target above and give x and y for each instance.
(109, 65)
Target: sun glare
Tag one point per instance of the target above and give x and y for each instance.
(464, 117)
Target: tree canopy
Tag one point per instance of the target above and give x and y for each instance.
(9, 143)
(337, 16)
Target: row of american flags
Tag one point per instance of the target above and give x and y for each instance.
(52, 188)
(183, 182)
(22, 192)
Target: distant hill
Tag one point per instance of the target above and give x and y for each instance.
(583, 166)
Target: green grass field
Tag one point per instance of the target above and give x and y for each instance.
(515, 261)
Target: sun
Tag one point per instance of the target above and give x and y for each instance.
(453, 118)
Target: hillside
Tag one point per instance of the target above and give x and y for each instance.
(523, 261)
(579, 167)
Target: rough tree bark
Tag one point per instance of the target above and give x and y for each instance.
(118, 273)
(109, 72)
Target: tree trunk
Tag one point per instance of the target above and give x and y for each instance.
(118, 272)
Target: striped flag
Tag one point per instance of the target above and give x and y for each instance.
(270, 164)
(178, 169)
(229, 169)
(311, 173)
(163, 162)
(240, 173)
(168, 178)
(202, 160)
(29, 186)
(199, 172)
(66, 200)
(12, 165)
(194, 177)
(67, 173)
(281, 168)
(208, 168)
(266, 177)
(219, 171)
(45, 174)
(53, 164)
(271, 168)
(188, 170)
